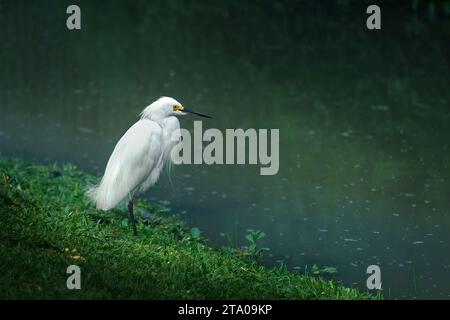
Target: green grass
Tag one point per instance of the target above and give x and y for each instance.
(48, 224)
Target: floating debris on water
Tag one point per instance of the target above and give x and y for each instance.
(164, 202)
(85, 130)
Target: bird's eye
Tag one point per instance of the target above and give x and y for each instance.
(177, 108)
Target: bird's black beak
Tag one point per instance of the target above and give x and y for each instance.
(197, 113)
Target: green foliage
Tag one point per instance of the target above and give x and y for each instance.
(254, 250)
(48, 224)
(315, 270)
(196, 233)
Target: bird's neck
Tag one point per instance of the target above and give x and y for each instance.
(153, 116)
(158, 120)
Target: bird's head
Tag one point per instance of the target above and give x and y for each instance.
(166, 107)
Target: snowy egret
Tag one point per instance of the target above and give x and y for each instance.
(139, 156)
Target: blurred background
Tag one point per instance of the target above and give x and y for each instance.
(363, 116)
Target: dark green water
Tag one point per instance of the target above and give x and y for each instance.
(363, 118)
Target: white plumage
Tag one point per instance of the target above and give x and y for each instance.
(140, 154)
(138, 158)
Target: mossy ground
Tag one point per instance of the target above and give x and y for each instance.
(48, 224)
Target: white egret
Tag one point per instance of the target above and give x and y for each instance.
(139, 156)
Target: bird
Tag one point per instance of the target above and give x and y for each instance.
(139, 156)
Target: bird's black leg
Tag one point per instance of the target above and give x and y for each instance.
(132, 219)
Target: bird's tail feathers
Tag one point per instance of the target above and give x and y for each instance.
(103, 194)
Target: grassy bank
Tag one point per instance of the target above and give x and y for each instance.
(47, 224)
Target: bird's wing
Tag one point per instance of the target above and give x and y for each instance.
(134, 157)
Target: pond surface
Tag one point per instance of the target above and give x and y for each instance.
(363, 116)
